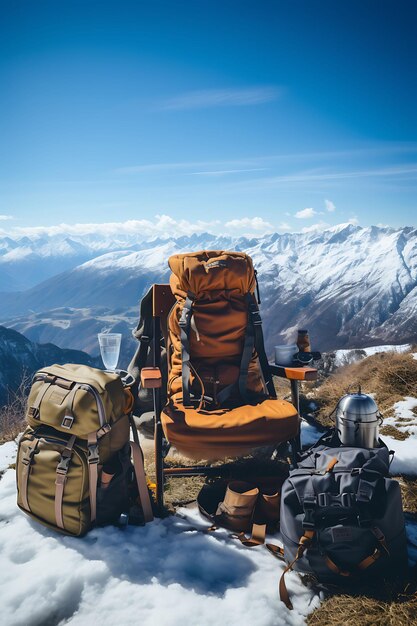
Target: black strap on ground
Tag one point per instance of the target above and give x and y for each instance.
(185, 325)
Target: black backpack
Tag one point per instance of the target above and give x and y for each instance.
(342, 517)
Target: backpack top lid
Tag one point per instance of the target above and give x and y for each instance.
(208, 271)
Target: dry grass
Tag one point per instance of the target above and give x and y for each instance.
(388, 375)
(12, 415)
(347, 610)
(393, 432)
(409, 494)
(183, 490)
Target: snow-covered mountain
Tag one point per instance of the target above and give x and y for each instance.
(28, 260)
(350, 286)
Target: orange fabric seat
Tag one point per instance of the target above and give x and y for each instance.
(214, 435)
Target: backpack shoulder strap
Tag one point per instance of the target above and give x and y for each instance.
(254, 338)
(185, 325)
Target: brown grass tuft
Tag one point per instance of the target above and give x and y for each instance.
(12, 415)
(408, 486)
(393, 432)
(346, 610)
(388, 375)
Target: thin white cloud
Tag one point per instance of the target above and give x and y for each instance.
(231, 165)
(305, 214)
(226, 172)
(4, 218)
(249, 225)
(267, 162)
(162, 226)
(208, 98)
(313, 227)
(325, 176)
(330, 206)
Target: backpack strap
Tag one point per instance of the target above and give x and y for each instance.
(93, 458)
(34, 409)
(185, 325)
(303, 545)
(140, 475)
(254, 339)
(27, 462)
(61, 479)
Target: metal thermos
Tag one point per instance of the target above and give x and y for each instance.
(357, 420)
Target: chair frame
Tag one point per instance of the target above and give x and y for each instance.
(162, 302)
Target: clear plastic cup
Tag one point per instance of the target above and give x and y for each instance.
(110, 349)
(284, 354)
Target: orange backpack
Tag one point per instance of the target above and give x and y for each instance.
(216, 353)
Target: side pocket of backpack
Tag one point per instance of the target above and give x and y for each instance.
(114, 499)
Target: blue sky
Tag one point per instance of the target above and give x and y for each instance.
(292, 112)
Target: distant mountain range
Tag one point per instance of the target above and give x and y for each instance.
(350, 286)
(20, 358)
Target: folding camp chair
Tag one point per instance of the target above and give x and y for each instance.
(151, 378)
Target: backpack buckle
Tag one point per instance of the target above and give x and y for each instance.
(64, 463)
(106, 428)
(256, 318)
(28, 456)
(309, 506)
(184, 319)
(324, 499)
(93, 455)
(365, 492)
(33, 412)
(67, 422)
(346, 500)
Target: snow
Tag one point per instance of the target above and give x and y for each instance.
(405, 457)
(404, 420)
(164, 573)
(168, 572)
(7, 454)
(343, 357)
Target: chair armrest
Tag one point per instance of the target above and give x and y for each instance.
(151, 378)
(294, 373)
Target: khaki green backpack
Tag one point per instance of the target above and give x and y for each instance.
(78, 420)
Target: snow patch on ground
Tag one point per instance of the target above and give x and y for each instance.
(405, 457)
(404, 420)
(164, 573)
(8, 452)
(343, 357)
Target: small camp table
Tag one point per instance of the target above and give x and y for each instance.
(295, 375)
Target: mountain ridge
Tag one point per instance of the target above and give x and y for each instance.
(350, 285)
(23, 357)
